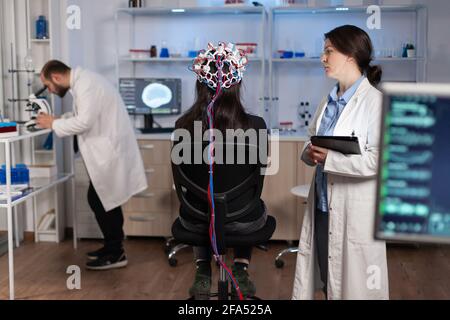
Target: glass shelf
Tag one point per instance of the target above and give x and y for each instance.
(51, 231)
(129, 59)
(296, 9)
(40, 40)
(26, 135)
(317, 60)
(43, 151)
(191, 11)
(37, 185)
(182, 59)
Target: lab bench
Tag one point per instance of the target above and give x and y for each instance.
(152, 212)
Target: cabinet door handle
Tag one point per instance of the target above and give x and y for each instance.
(144, 195)
(149, 170)
(147, 147)
(141, 219)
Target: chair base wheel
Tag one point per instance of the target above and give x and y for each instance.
(279, 264)
(173, 262)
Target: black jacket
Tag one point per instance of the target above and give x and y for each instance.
(225, 178)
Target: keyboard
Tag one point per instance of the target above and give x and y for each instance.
(156, 130)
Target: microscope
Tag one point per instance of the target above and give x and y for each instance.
(36, 106)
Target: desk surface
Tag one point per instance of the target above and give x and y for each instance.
(167, 136)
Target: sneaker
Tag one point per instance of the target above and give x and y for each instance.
(201, 289)
(94, 255)
(108, 261)
(246, 286)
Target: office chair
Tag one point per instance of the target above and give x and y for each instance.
(187, 189)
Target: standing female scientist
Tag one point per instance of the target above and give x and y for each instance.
(337, 230)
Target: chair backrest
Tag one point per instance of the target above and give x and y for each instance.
(237, 185)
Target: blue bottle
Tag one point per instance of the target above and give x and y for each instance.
(23, 174)
(14, 176)
(2, 176)
(41, 28)
(48, 144)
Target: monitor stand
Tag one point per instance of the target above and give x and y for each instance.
(148, 126)
(148, 121)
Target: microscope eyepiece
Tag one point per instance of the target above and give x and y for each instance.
(37, 94)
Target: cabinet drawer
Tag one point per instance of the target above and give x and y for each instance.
(147, 224)
(154, 152)
(150, 201)
(159, 177)
(280, 202)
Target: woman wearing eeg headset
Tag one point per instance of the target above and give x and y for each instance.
(229, 113)
(337, 230)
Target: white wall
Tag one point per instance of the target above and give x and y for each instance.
(438, 40)
(93, 46)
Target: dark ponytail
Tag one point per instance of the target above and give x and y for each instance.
(355, 42)
(374, 74)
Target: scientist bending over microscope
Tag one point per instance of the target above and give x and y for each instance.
(108, 146)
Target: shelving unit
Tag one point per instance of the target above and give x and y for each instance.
(411, 69)
(41, 51)
(37, 187)
(40, 40)
(191, 11)
(169, 60)
(137, 14)
(317, 60)
(412, 20)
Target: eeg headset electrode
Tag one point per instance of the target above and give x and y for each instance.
(229, 63)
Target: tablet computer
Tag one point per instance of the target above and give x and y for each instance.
(345, 145)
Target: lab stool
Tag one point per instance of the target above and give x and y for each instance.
(301, 191)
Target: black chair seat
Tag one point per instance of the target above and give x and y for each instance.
(253, 239)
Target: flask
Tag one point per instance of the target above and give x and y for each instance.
(164, 51)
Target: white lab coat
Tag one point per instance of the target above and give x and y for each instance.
(357, 265)
(106, 139)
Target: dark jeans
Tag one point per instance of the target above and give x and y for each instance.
(321, 239)
(110, 223)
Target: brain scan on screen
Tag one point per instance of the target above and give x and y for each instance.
(156, 95)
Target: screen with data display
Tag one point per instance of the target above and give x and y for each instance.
(414, 170)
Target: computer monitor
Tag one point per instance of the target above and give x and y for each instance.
(151, 96)
(414, 168)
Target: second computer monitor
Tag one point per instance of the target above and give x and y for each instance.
(414, 167)
(156, 96)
